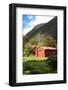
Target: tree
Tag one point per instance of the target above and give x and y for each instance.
(25, 39)
(34, 42)
(49, 41)
(27, 49)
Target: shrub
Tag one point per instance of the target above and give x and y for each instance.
(27, 49)
(52, 62)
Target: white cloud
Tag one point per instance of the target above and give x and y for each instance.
(39, 19)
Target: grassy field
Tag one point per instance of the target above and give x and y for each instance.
(34, 58)
(35, 65)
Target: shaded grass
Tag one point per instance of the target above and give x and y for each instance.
(37, 67)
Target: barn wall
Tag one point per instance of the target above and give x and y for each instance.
(50, 52)
(40, 53)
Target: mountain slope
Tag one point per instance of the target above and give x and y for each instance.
(44, 29)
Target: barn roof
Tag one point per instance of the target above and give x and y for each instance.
(45, 48)
(48, 48)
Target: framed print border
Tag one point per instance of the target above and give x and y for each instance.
(12, 43)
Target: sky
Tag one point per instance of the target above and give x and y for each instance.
(30, 21)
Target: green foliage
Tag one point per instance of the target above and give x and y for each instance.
(49, 41)
(52, 62)
(25, 39)
(27, 49)
(34, 42)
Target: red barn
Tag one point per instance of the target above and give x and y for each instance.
(44, 51)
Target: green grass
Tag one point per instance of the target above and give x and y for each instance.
(34, 65)
(32, 58)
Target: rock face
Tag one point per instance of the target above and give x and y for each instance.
(44, 29)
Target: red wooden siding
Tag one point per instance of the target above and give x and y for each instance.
(44, 51)
(50, 52)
